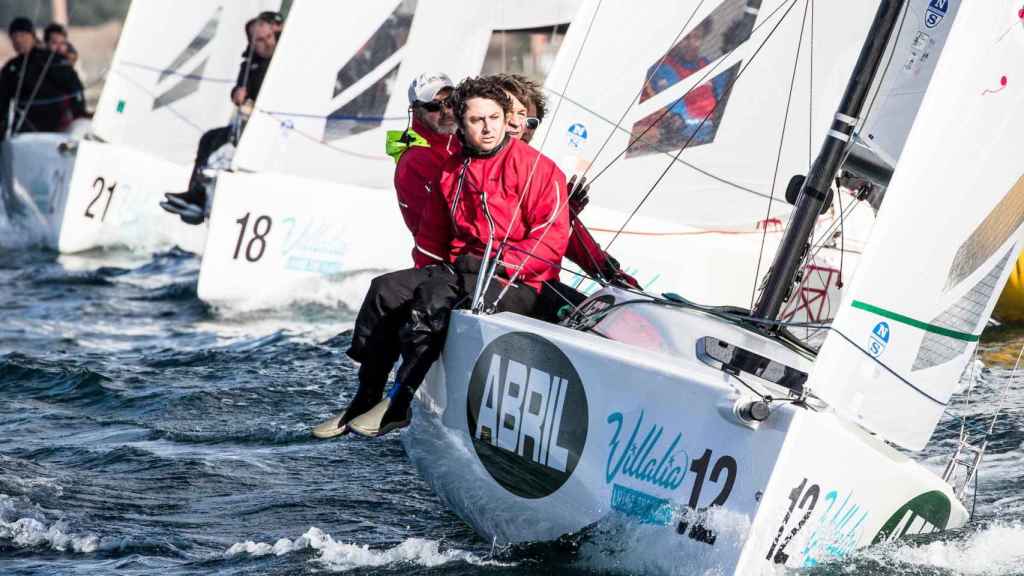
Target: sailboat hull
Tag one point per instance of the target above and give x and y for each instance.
(80, 194)
(530, 431)
(275, 238)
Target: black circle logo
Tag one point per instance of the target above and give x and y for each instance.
(527, 414)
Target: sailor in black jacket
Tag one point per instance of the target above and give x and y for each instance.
(45, 90)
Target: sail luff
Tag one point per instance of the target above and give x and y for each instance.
(946, 234)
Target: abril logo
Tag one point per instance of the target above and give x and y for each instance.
(527, 414)
(879, 339)
(936, 12)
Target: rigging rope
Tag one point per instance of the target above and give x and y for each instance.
(653, 70)
(490, 272)
(686, 145)
(711, 69)
(35, 90)
(778, 156)
(739, 318)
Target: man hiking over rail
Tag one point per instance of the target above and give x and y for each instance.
(496, 192)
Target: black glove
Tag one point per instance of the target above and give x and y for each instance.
(468, 264)
(615, 275)
(578, 197)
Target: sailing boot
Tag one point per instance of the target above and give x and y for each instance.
(389, 414)
(189, 205)
(372, 380)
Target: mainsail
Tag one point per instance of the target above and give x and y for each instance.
(338, 79)
(921, 37)
(172, 74)
(732, 62)
(944, 242)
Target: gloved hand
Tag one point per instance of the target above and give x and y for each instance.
(468, 264)
(613, 272)
(578, 194)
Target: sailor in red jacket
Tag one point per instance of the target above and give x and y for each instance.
(421, 149)
(496, 191)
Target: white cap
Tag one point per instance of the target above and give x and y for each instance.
(425, 86)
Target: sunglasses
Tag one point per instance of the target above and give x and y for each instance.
(435, 106)
(532, 123)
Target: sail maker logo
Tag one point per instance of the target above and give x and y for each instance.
(527, 414)
(188, 83)
(936, 12)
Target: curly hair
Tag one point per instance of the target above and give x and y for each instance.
(530, 90)
(512, 83)
(479, 87)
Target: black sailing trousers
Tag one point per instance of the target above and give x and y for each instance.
(405, 314)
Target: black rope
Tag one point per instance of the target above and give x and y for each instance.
(636, 99)
(744, 319)
(778, 156)
(35, 90)
(888, 63)
(974, 499)
(842, 236)
(693, 135)
(572, 71)
(694, 167)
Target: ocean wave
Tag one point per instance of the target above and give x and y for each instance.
(621, 545)
(173, 292)
(996, 549)
(341, 556)
(56, 381)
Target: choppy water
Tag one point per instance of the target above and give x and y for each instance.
(142, 432)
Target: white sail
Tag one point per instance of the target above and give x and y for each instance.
(724, 177)
(172, 74)
(922, 35)
(946, 236)
(338, 80)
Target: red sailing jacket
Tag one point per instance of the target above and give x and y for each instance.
(526, 199)
(418, 169)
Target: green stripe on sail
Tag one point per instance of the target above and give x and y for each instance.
(915, 323)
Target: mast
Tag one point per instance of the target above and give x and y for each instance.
(816, 187)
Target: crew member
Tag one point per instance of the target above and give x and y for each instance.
(45, 89)
(556, 299)
(55, 36)
(191, 204)
(422, 149)
(494, 188)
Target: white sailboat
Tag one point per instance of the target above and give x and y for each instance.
(166, 86)
(709, 431)
(310, 196)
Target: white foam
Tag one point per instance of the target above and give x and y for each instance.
(996, 550)
(623, 545)
(31, 532)
(341, 556)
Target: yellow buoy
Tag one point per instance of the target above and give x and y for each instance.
(1010, 307)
